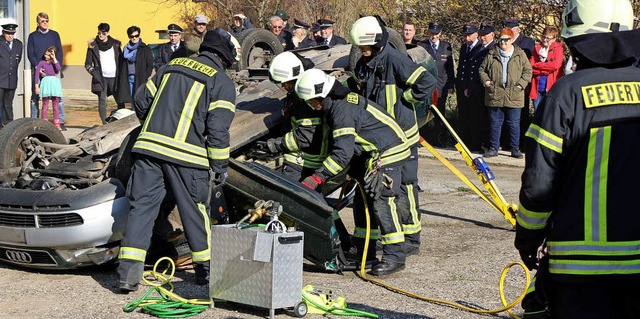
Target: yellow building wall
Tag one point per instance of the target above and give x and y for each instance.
(77, 21)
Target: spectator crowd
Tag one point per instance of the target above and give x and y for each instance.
(492, 84)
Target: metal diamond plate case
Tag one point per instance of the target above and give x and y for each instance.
(253, 267)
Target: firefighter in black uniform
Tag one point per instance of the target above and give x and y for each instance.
(305, 146)
(580, 181)
(363, 134)
(393, 80)
(187, 108)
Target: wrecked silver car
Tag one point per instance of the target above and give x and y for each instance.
(63, 203)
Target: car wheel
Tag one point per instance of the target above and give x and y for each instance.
(124, 162)
(395, 40)
(12, 152)
(259, 46)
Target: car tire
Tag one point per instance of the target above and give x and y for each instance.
(11, 152)
(395, 40)
(124, 161)
(254, 43)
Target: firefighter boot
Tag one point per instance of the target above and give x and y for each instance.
(202, 272)
(393, 257)
(130, 273)
(354, 253)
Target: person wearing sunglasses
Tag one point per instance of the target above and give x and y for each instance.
(505, 72)
(277, 27)
(137, 64)
(37, 43)
(546, 63)
(103, 57)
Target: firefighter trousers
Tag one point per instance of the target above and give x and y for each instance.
(408, 203)
(150, 179)
(386, 217)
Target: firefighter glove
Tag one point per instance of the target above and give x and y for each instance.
(218, 178)
(530, 259)
(373, 184)
(312, 181)
(272, 145)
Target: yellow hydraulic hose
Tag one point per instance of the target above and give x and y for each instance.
(507, 306)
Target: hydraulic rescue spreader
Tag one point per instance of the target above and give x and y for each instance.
(479, 167)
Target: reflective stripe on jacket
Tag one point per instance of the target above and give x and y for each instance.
(358, 126)
(187, 108)
(580, 184)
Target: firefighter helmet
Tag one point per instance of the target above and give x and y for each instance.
(285, 67)
(366, 31)
(314, 83)
(596, 16)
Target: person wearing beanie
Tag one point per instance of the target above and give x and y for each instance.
(392, 80)
(104, 56)
(187, 108)
(505, 72)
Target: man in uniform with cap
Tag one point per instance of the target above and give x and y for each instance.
(175, 48)
(528, 45)
(300, 36)
(473, 125)
(188, 162)
(443, 55)
(193, 39)
(10, 57)
(326, 34)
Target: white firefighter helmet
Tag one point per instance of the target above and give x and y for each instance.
(314, 83)
(285, 67)
(365, 31)
(596, 16)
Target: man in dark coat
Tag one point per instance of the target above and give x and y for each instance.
(10, 57)
(175, 48)
(103, 57)
(469, 90)
(327, 36)
(136, 66)
(300, 34)
(443, 55)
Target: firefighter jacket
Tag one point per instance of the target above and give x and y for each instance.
(518, 77)
(392, 79)
(307, 143)
(580, 183)
(187, 108)
(360, 126)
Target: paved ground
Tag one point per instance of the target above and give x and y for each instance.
(465, 246)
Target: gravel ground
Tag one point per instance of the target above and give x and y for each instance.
(465, 245)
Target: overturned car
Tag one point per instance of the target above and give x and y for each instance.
(63, 202)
